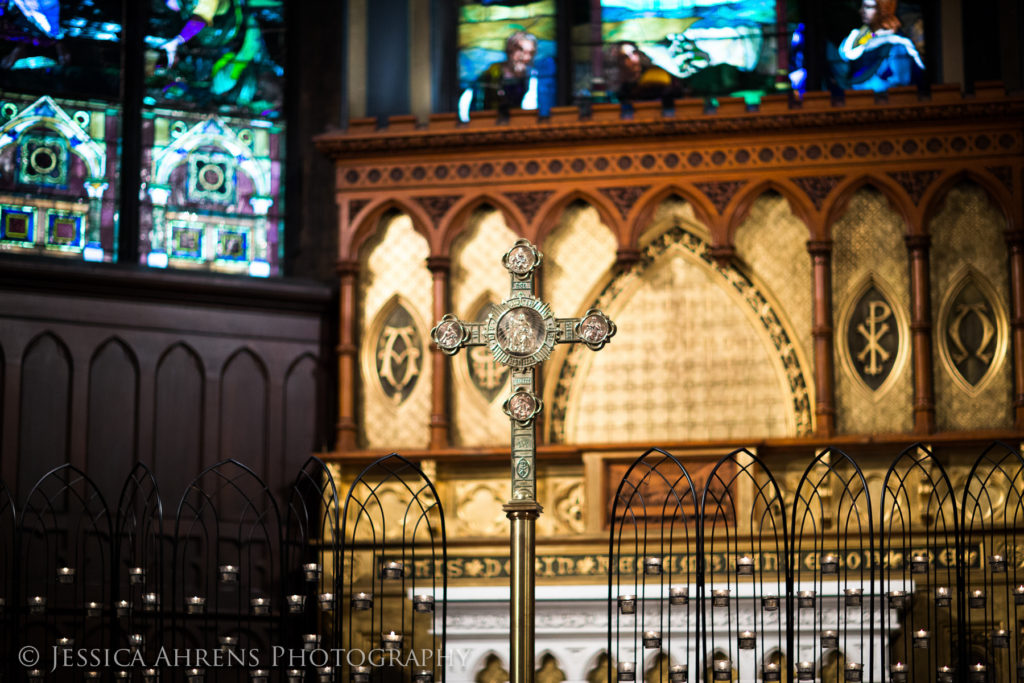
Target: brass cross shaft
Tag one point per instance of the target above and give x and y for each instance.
(521, 332)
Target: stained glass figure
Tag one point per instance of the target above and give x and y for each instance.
(217, 55)
(61, 48)
(877, 55)
(660, 49)
(506, 55)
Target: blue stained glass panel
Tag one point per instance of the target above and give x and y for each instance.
(506, 55)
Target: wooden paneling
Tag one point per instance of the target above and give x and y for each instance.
(45, 403)
(107, 367)
(112, 417)
(178, 420)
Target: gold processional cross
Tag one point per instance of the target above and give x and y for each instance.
(521, 333)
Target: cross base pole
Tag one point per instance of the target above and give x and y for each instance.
(523, 516)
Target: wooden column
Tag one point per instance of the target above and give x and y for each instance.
(1015, 242)
(824, 355)
(440, 269)
(921, 333)
(348, 432)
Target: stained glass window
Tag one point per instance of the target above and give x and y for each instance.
(875, 45)
(652, 49)
(213, 136)
(506, 55)
(60, 125)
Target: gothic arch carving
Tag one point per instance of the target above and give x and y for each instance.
(997, 194)
(553, 210)
(749, 195)
(459, 218)
(702, 210)
(898, 200)
(373, 219)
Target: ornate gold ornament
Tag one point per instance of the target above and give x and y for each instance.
(873, 337)
(394, 355)
(972, 331)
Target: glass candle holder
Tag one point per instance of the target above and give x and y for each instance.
(829, 640)
(897, 599)
(976, 673)
(722, 670)
(946, 674)
(228, 643)
(853, 597)
(805, 599)
(195, 675)
(423, 676)
(362, 602)
(35, 674)
(150, 602)
(122, 675)
(627, 604)
(136, 641)
(652, 640)
(976, 599)
(770, 673)
(310, 641)
(195, 604)
(228, 573)
(747, 640)
(997, 563)
(830, 564)
(326, 601)
(392, 570)
(36, 604)
(65, 643)
(1001, 638)
(854, 672)
(150, 675)
(260, 606)
(296, 604)
(720, 597)
(652, 565)
(136, 576)
(1018, 595)
(92, 675)
(678, 673)
(311, 571)
(360, 674)
(921, 638)
(423, 603)
(93, 610)
(943, 598)
(770, 603)
(391, 641)
(898, 673)
(259, 675)
(805, 671)
(627, 671)
(919, 564)
(294, 676)
(66, 575)
(123, 608)
(325, 674)
(745, 566)
(679, 595)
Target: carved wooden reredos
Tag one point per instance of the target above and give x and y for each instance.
(851, 179)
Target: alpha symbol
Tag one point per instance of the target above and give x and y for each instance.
(873, 329)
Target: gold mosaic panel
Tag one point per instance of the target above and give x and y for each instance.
(577, 256)
(672, 211)
(476, 274)
(395, 263)
(772, 242)
(967, 234)
(868, 242)
(687, 363)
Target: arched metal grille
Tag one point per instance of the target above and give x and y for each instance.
(918, 546)
(225, 577)
(654, 581)
(393, 573)
(993, 529)
(744, 536)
